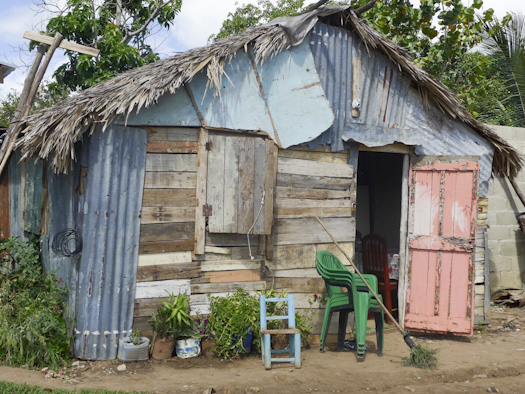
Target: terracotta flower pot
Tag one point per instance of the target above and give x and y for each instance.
(163, 348)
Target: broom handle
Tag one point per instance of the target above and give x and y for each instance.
(362, 278)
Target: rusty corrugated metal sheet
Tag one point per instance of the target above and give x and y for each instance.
(111, 183)
(391, 111)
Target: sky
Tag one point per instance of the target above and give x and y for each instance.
(197, 20)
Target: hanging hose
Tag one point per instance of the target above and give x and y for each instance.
(67, 243)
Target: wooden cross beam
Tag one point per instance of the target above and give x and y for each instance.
(32, 83)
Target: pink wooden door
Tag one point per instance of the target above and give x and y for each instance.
(442, 236)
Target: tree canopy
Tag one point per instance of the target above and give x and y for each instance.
(118, 28)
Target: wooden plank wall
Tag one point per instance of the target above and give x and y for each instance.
(479, 263)
(310, 183)
(167, 262)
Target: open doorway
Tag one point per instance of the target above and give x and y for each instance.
(379, 191)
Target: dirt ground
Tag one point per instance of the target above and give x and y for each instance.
(493, 360)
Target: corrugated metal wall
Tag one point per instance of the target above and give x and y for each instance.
(391, 111)
(111, 183)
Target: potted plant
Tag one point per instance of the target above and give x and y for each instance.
(133, 348)
(171, 321)
(234, 320)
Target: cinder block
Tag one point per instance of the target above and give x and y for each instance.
(508, 248)
(509, 279)
(499, 203)
(504, 219)
(498, 232)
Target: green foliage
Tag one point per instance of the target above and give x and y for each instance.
(248, 15)
(32, 327)
(136, 337)
(173, 318)
(48, 94)
(422, 357)
(120, 37)
(506, 47)
(232, 318)
(479, 84)
(12, 388)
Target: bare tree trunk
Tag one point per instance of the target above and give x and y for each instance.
(366, 7)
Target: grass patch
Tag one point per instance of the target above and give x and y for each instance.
(12, 388)
(422, 357)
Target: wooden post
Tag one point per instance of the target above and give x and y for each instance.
(32, 84)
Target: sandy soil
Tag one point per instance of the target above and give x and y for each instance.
(493, 360)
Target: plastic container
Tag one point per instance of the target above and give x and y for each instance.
(187, 348)
(127, 351)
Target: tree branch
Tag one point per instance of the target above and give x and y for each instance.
(130, 34)
(366, 7)
(314, 6)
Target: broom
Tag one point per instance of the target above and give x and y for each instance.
(419, 356)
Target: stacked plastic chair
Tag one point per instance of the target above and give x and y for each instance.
(357, 298)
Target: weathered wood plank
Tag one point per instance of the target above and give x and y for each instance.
(233, 276)
(158, 289)
(164, 258)
(293, 256)
(145, 307)
(231, 182)
(306, 203)
(167, 180)
(160, 162)
(298, 285)
(166, 231)
(259, 203)
(168, 271)
(230, 240)
(227, 287)
(313, 194)
(234, 253)
(173, 134)
(231, 265)
(270, 184)
(201, 187)
(215, 186)
(168, 198)
(330, 157)
(312, 182)
(165, 246)
(167, 214)
(312, 212)
(217, 250)
(245, 197)
(296, 273)
(172, 147)
(308, 230)
(287, 165)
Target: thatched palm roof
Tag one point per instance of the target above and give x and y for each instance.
(51, 133)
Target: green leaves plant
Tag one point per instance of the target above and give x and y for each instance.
(33, 330)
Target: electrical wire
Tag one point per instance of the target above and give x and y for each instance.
(67, 243)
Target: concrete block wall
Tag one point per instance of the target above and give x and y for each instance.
(506, 244)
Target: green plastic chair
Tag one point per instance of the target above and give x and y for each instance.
(357, 299)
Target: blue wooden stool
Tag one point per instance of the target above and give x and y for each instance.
(294, 335)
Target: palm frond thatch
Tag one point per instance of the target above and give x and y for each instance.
(52, 133)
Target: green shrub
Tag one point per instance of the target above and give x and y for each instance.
(32, 327)
(232, 317)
